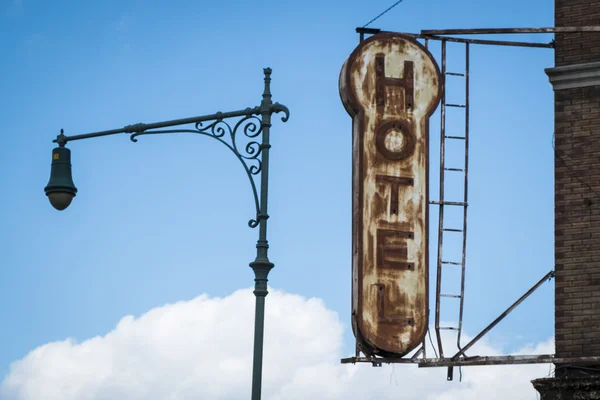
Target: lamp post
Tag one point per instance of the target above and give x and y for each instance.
(254, 157)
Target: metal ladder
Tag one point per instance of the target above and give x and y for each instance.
(443, 202)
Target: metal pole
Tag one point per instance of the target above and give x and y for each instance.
(438, 284)
(429, 35)
(466, 199)
(462, 351)
(491, 31)
(261, 265)
(141, 127)
(491, 42)
(472, 361)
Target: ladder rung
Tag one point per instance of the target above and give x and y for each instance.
(454, 169)
(452, 230)
(454, 74)
(449, 328)
(451, 263)
(454, 296)
(449, 203)
(456, 105)
(455, 137)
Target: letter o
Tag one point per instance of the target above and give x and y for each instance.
(407, 147)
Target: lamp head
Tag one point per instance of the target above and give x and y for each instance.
(60, 189)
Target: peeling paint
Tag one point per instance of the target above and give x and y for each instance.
(390, 85)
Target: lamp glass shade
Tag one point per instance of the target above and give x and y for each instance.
(60, 189)
(60, 200)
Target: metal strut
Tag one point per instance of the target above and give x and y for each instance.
(442, 202)
(438, 286)
(459, 359)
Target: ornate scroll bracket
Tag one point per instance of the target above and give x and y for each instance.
(277, 108)
(229, 134)
(248, 154)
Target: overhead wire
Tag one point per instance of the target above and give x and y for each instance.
(380, 15)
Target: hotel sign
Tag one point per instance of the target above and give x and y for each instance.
(390, 85)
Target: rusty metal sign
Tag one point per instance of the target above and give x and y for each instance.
(390, 85)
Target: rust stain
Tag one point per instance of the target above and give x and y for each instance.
(390, 85)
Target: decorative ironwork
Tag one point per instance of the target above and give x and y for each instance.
(221, 130)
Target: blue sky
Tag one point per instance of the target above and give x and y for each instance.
(164, 219)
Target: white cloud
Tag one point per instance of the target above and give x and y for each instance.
(202, 349)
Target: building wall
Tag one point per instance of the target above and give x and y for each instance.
(577, 48)
(577, 189)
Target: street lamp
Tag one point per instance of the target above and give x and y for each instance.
(254, 157)
(60, 189)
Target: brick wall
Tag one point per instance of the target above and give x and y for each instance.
(577, 48)
(577, 205)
